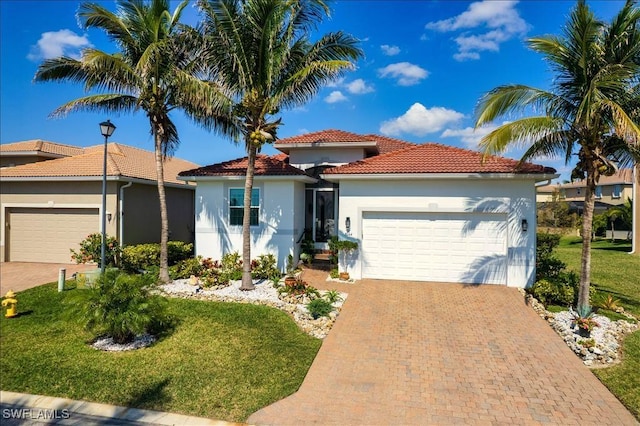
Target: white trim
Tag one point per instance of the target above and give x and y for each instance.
(48, 205)
(428, 176)
(31, 153)
(93, 179)
(301, 178)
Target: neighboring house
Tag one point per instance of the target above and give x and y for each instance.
(51, 198)
(425, 212)
(611, 190)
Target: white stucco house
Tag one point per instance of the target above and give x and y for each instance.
(426, 212)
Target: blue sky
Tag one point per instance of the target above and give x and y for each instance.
(426, 65)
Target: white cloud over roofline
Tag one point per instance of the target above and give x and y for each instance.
(405, 73)
(53, 44)
(420, 121)
(334, 97)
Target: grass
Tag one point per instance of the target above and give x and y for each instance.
(222, 361)
(614, 271)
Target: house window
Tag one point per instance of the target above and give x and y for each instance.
(236, 206)
(598, 192)
(617, 191)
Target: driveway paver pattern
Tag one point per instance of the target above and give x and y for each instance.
(432, 353)
(18, 276)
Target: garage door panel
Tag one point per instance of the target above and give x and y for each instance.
(47, 235)
(448, 247)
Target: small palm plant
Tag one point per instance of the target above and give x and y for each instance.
(121, 306)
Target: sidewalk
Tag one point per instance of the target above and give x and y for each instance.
(24, 409)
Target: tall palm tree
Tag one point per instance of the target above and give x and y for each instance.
(596, 68)
(155, 70)
(261, 54)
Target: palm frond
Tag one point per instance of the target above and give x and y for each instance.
(110, 103)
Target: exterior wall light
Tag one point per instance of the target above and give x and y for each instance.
(525, 225)
(347, 224)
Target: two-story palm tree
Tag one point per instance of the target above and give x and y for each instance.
(261, 54)
(588, 109)
(155, 71)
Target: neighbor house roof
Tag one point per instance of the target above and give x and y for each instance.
(265, 166)
(326, 136)
(436, 158)
(38, 146)
(122, 160)
(622, 176)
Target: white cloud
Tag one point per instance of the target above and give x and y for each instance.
(390, 50)
(335, 83)
(470, 136)
(420, 121)
(407, 74)
(499, 19)
(335, 96)
(359, 87)
(53, 44)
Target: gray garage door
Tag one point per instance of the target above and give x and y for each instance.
(47, 235)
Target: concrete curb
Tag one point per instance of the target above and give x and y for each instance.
(104, 410)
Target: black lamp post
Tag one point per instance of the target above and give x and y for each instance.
(106, 128)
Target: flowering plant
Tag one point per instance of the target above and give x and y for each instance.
(586, 324)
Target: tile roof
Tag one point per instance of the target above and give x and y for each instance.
(265, 166)
(326, 136)
(39, 145)
(436, 158)
(387, 144)
(122, 160)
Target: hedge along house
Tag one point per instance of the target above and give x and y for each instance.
(51, 198)
(425, 212)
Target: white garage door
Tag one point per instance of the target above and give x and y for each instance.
(46, 235)
(441, 247)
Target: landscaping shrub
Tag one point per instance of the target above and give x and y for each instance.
(319, 308)
(548, 266)
(91, 250)
(186, 268)
(333, 296)
(265, 267)
(552, 293)
(231, 267)
(143, 256)
(121, 306)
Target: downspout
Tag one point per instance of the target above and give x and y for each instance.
(121, 211)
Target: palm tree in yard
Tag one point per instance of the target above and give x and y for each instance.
(589, 108)
(156, 70)
(261, 54)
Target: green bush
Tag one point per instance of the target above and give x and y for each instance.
(186, 268)
(548, 266)
(121, 306)
(334, 273)
(552, 293)
(319, 308)
(333, 296)
(231, 267)
(144, 256)
(91, 250)
(265, 267)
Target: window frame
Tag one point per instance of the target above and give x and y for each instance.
(241, 207)
(616, 191)
(598, 192)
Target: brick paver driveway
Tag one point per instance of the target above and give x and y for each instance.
(427, 353)
(18, 276)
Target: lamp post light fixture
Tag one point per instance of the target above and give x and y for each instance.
(106, 128)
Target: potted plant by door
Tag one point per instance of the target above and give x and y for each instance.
(290, 271)
(345, 247)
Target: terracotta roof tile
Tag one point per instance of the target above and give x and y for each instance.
(436, 158)
(122, 160)
(387, 144)
(265, 166)
(326, 136)
(622, 176)
(39, 145)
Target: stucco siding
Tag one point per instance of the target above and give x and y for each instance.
(513, 198)
(307, 158)
(276, 230)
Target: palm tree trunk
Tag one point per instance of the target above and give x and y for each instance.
(635, 212)
(587, 228)
(247, 282)
(164, 221)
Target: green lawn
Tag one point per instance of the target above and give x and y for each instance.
(223, 360)
(616, 272)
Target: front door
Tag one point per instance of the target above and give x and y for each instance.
(321, 215)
